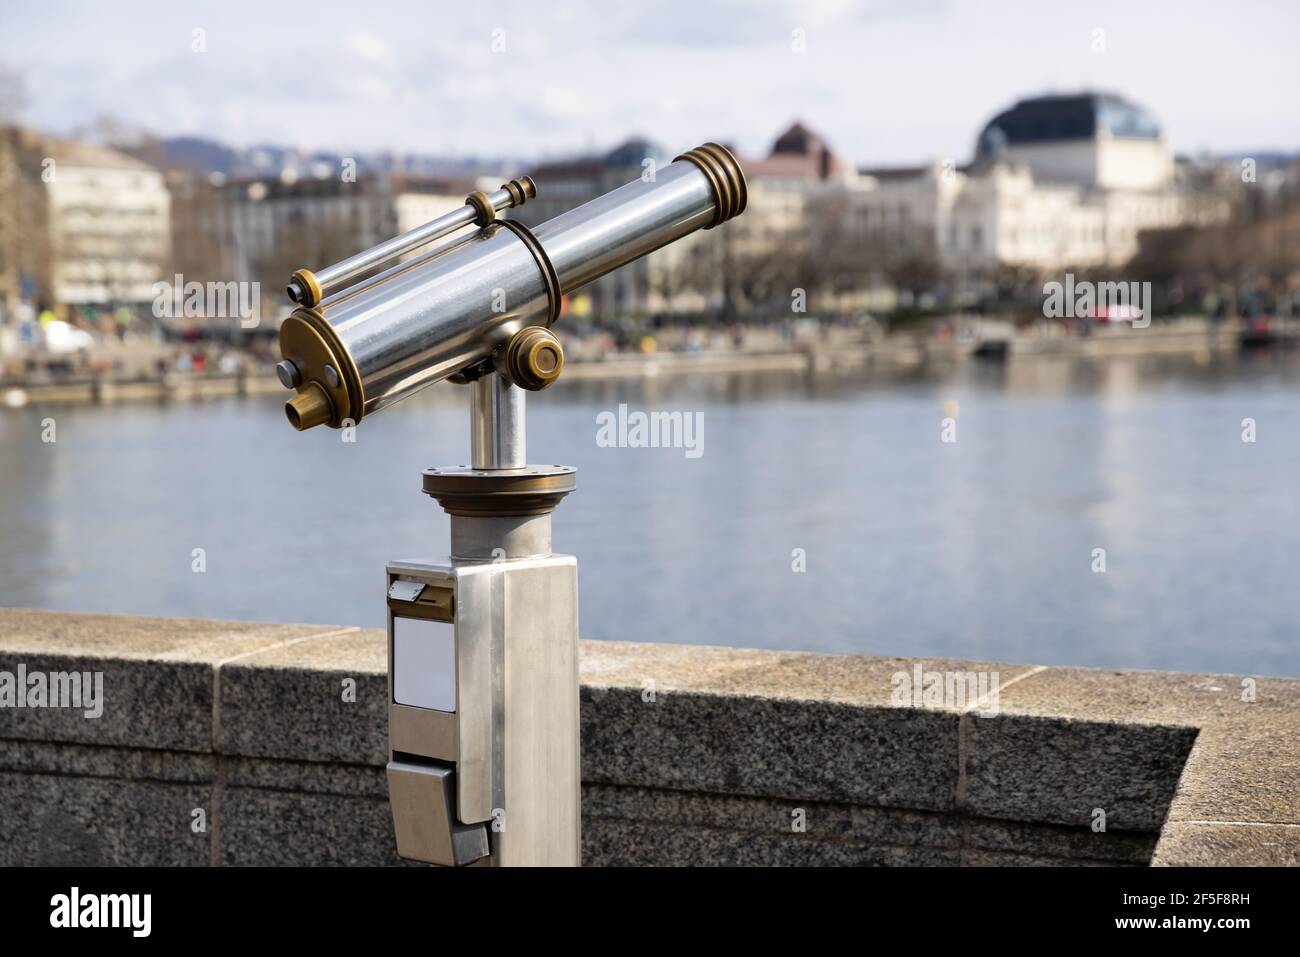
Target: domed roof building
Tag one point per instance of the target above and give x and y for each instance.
(1093, 139)
(1057, 182)
(798, 153)
(1054, 119)
(634, 152)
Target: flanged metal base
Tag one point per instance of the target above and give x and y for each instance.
(531, 490)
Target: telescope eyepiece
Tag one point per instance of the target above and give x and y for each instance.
(309, 408)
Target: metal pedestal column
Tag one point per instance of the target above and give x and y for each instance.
(510, 751)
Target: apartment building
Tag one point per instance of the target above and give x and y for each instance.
(80, 224)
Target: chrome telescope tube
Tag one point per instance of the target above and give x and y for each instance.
(364, 349)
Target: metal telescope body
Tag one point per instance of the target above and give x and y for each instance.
(428, 318)
(482, 644)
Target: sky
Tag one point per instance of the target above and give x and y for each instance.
(886, 82)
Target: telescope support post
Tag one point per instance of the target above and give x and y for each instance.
(483, 645)
(496, 428)
(491, 773)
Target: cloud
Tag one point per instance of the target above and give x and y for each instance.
(884, 80)
(370, 48)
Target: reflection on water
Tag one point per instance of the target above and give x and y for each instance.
(980, 549)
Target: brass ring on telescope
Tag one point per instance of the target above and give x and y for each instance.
(731, 168)
(521, 190)
(306, 281)
(720, 167)
(482, 206)
(554, 296)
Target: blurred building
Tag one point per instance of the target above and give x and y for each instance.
(268, 227)
(1056, 182)
(638, 287)
(694, 273)
(312, 221)
(784, 189)
(83, 224)
(794, 236)
(419, 199)
(108, 219)
(198, 252)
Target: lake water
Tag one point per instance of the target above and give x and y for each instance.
(982, 548)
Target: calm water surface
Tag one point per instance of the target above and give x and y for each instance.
(980, 549)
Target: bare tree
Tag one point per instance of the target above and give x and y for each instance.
(13, 94)
(197, 251)
(689, 270)
(1255, 252)
(24, 219)
(297, 245)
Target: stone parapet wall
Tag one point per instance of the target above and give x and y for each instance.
(232, 743)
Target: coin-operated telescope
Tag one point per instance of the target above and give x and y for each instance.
(483, 644)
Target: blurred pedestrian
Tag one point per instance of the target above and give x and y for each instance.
(123, 319)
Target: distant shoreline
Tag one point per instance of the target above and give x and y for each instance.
(893, 354)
